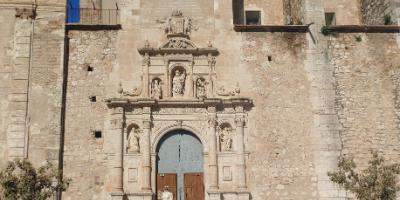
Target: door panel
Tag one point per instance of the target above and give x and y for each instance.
(167, 180)
(180, 153)
(194, 187)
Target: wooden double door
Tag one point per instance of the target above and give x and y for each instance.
(180, 166)
(193, 188)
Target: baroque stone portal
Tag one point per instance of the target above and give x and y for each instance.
(178, 92)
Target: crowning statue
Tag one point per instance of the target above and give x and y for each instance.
(178, 84)
(133, 141)
(156, 90)
(226, 139)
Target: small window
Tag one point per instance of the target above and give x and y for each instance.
(93, 98)
(330, 19)
(253, 17)
(97, 134)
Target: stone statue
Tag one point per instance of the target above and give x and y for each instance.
(178, 84)
(133, 141)
(201, 88)
(225, 139)
(166, 194)
(156, 90)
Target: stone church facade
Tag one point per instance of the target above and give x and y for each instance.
(207, 99)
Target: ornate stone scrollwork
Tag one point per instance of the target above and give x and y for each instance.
(132, 144)
(178, 24)
(222, 91)
(136, 91)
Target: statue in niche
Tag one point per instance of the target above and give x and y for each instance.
(201, 88)
(225, 139)
(156, 90)
(178, 84)
(133, 141)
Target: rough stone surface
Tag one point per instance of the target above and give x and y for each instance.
(96, 50)
(374, 11)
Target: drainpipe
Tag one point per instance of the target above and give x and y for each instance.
(63, 101)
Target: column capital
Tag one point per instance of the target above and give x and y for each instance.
(240, 120)
(146, 124)
(211, 109)
(117, 110)
(117, 123)
(239, 109)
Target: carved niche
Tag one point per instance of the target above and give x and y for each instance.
(132, 140)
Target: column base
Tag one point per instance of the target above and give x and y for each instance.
(234, 195)
(117, 196)
(140, 196)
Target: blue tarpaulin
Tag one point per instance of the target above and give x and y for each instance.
(73, 11)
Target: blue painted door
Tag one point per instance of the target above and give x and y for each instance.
(178, 153)
(73, 11)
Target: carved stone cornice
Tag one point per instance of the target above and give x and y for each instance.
(193, 51)
(25, 13)
(205, 103)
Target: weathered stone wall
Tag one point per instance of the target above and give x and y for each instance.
(7, 21)
(374, 11)
(279, 135)
(45, 86)
(84, 157)
(366, 81)
(293, 11)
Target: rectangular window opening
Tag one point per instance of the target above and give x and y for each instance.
(330, 19)
(253, 17)
(97, 134)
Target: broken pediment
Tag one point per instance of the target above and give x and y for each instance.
(179, 43)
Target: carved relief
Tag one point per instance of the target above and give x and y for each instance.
(156, 89)
(178, 24)
(222, 91)
(136, 91)
(201, 88)
(178, 83)
(179, 43)
(132, 144)
(225, 137)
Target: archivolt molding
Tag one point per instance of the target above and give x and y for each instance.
(165, 130)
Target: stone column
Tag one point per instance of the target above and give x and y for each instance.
(146, 65)
(212, 155)
(166, 90)
(190, 85)
(145, 149)
(116, 133)
(241, 164)
(211, 62)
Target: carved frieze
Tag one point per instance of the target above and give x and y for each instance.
(183, 110)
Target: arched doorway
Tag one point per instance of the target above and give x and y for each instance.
(180, 166)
